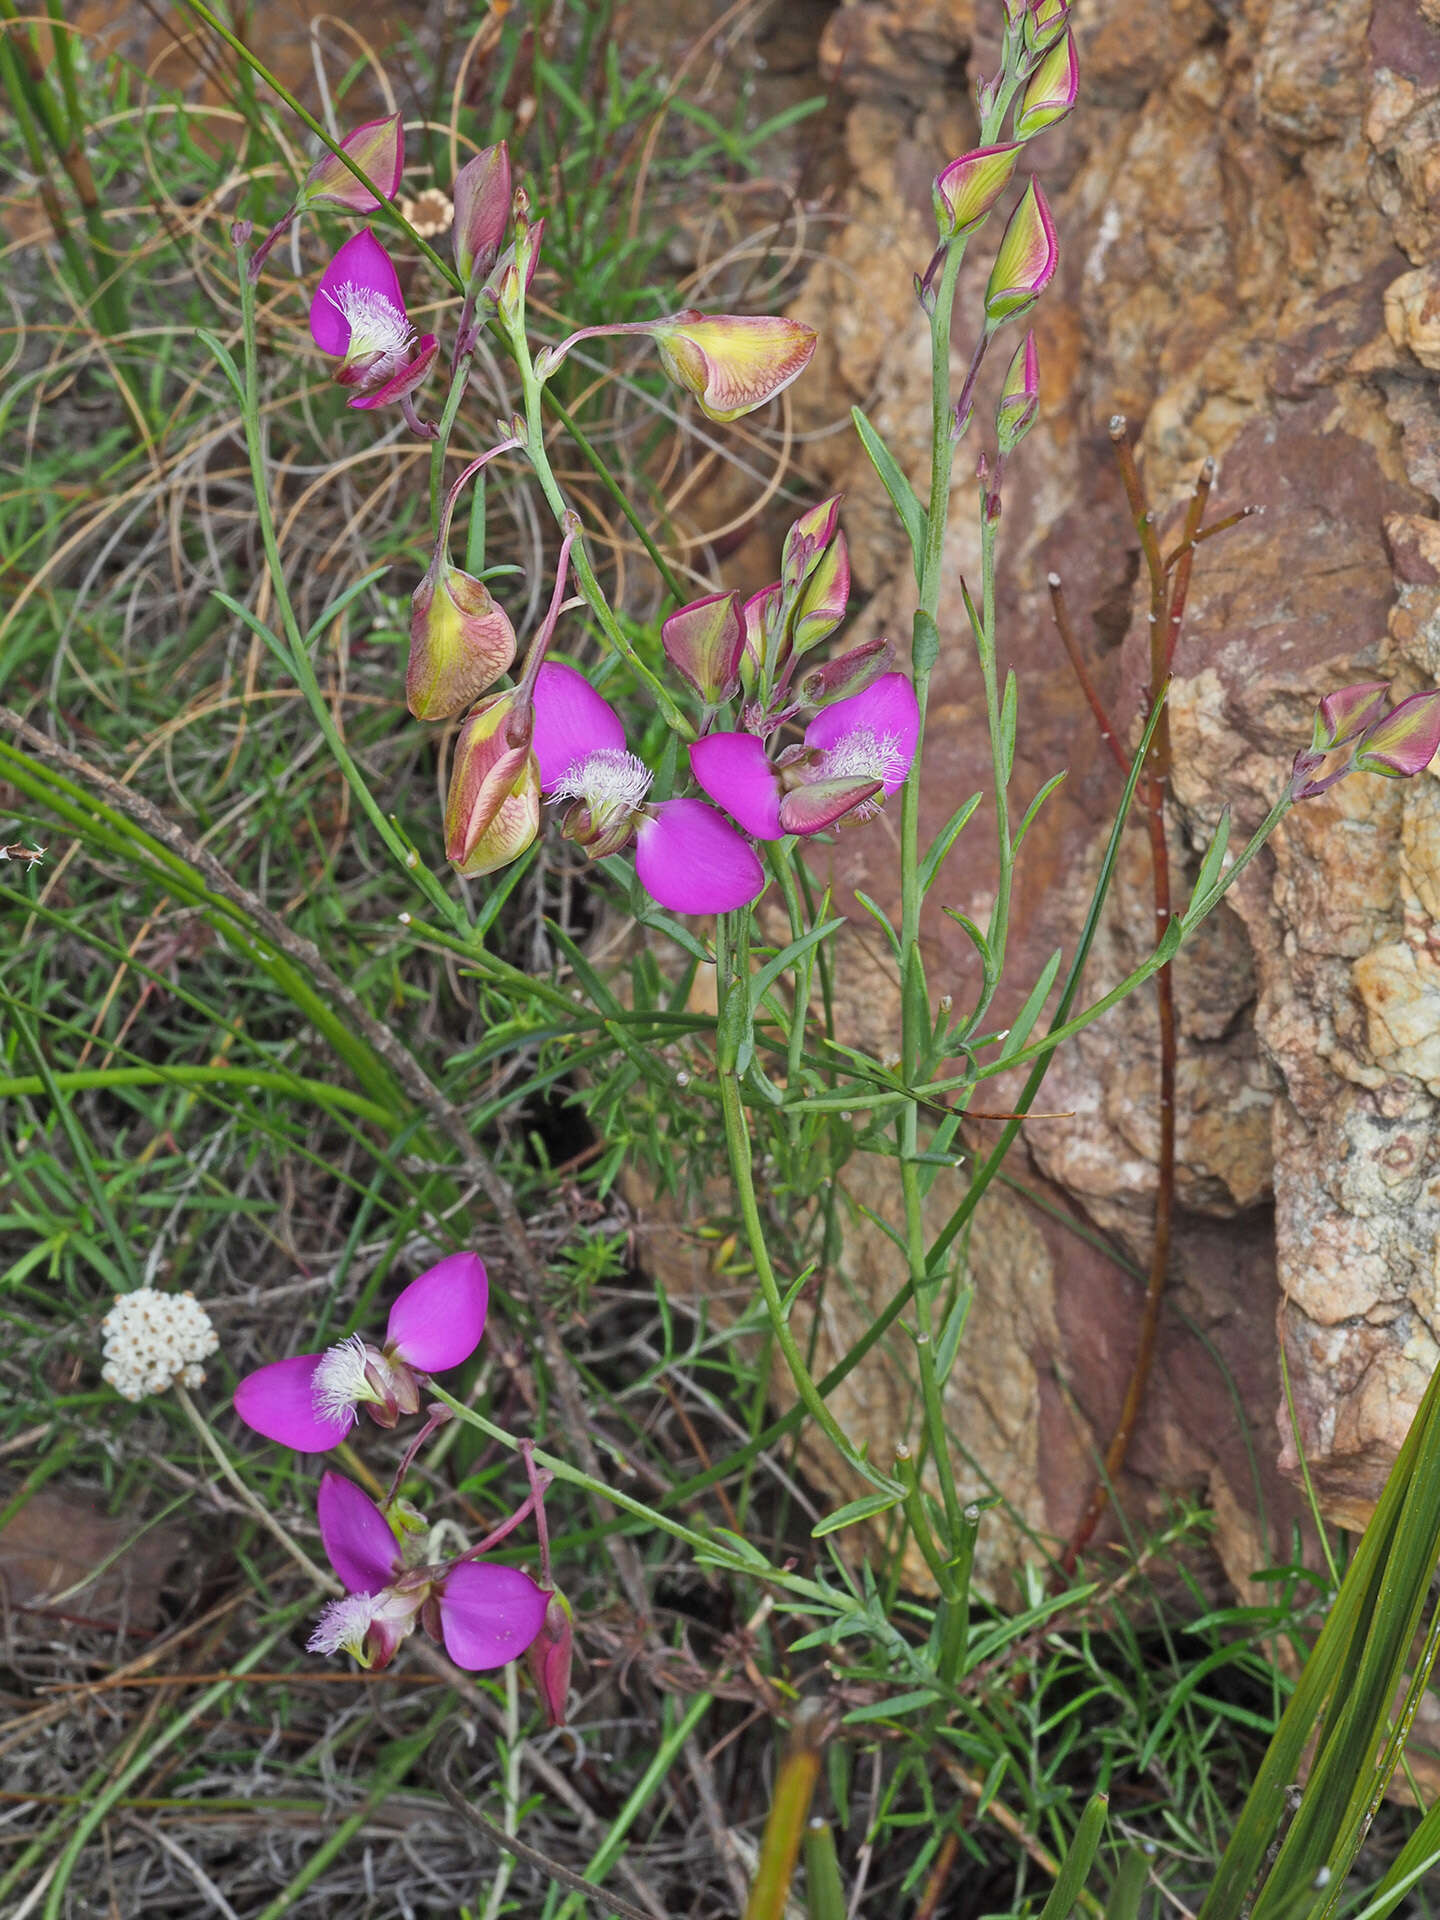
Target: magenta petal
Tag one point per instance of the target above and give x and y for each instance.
(733, 770)
(489, 1615)
(887, 709)
(571, 720)
(357, 1536)
(691, 861)
(279, 1401)
(362, 262)
(439, 1318)
(405, 379)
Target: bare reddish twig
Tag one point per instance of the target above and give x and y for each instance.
(1169, 578)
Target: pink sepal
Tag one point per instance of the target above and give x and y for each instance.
(489, 1615)
(279, 1401)
(691, 861)
(438, 1320)
(363, 262)
(357, 1538)
(733, 770)
(571, 721)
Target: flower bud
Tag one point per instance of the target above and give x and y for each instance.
(1026, 261)
(732, 362)
(756, 613)
(704, 642)
(461, 642)
(482, 211)
(847, 674)
(512, 273)
(817, 804)
(968, 188)
(378, 148)
(1051, 90)
(1405, 741)
(492, 811)
(549, 1657)
(1019, 398)
(822, 602)
(1345, 714)
(807, 539)
(1043, 22)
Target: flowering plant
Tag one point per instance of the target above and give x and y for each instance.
(756, 731)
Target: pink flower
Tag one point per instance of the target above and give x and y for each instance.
(704, 643)
(855, 754)
(687, 858)
(486, 1615)
(1019, 397)
(482, 211)
(309, 1402)
(358, 316)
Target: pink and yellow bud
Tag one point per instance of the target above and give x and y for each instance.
(461, 641)
(704, 642)
(492, 811)
(1020, 397)
(1405, 741)
(968, 188)
(378, 149)
(1042, 22)
(1344, 715)
(806, 540)
(849, 673)
(1051, 90)
(822, 603)
(731, 362)
(482, 212)
(1025, 263)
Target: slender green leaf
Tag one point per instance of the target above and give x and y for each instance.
(902, 495)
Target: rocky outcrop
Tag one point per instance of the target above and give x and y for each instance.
(1247, 200)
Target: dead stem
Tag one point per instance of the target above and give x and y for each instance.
(1169, 590)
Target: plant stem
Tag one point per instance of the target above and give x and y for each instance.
(915, 1019)
(585, 579)
(732, 987)
(405, 857)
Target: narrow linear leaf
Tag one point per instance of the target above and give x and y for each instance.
(854, 1512)
(902, 495)
(1034, 1001)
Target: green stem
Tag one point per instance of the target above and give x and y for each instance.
(441, 444)
(405, 856)
(915, 1024)
(738, 1146)
(585, 579)
(751, 1564)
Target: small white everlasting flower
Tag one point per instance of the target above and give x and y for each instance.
(153, 1339)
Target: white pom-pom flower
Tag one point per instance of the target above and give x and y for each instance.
(153, 1339)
